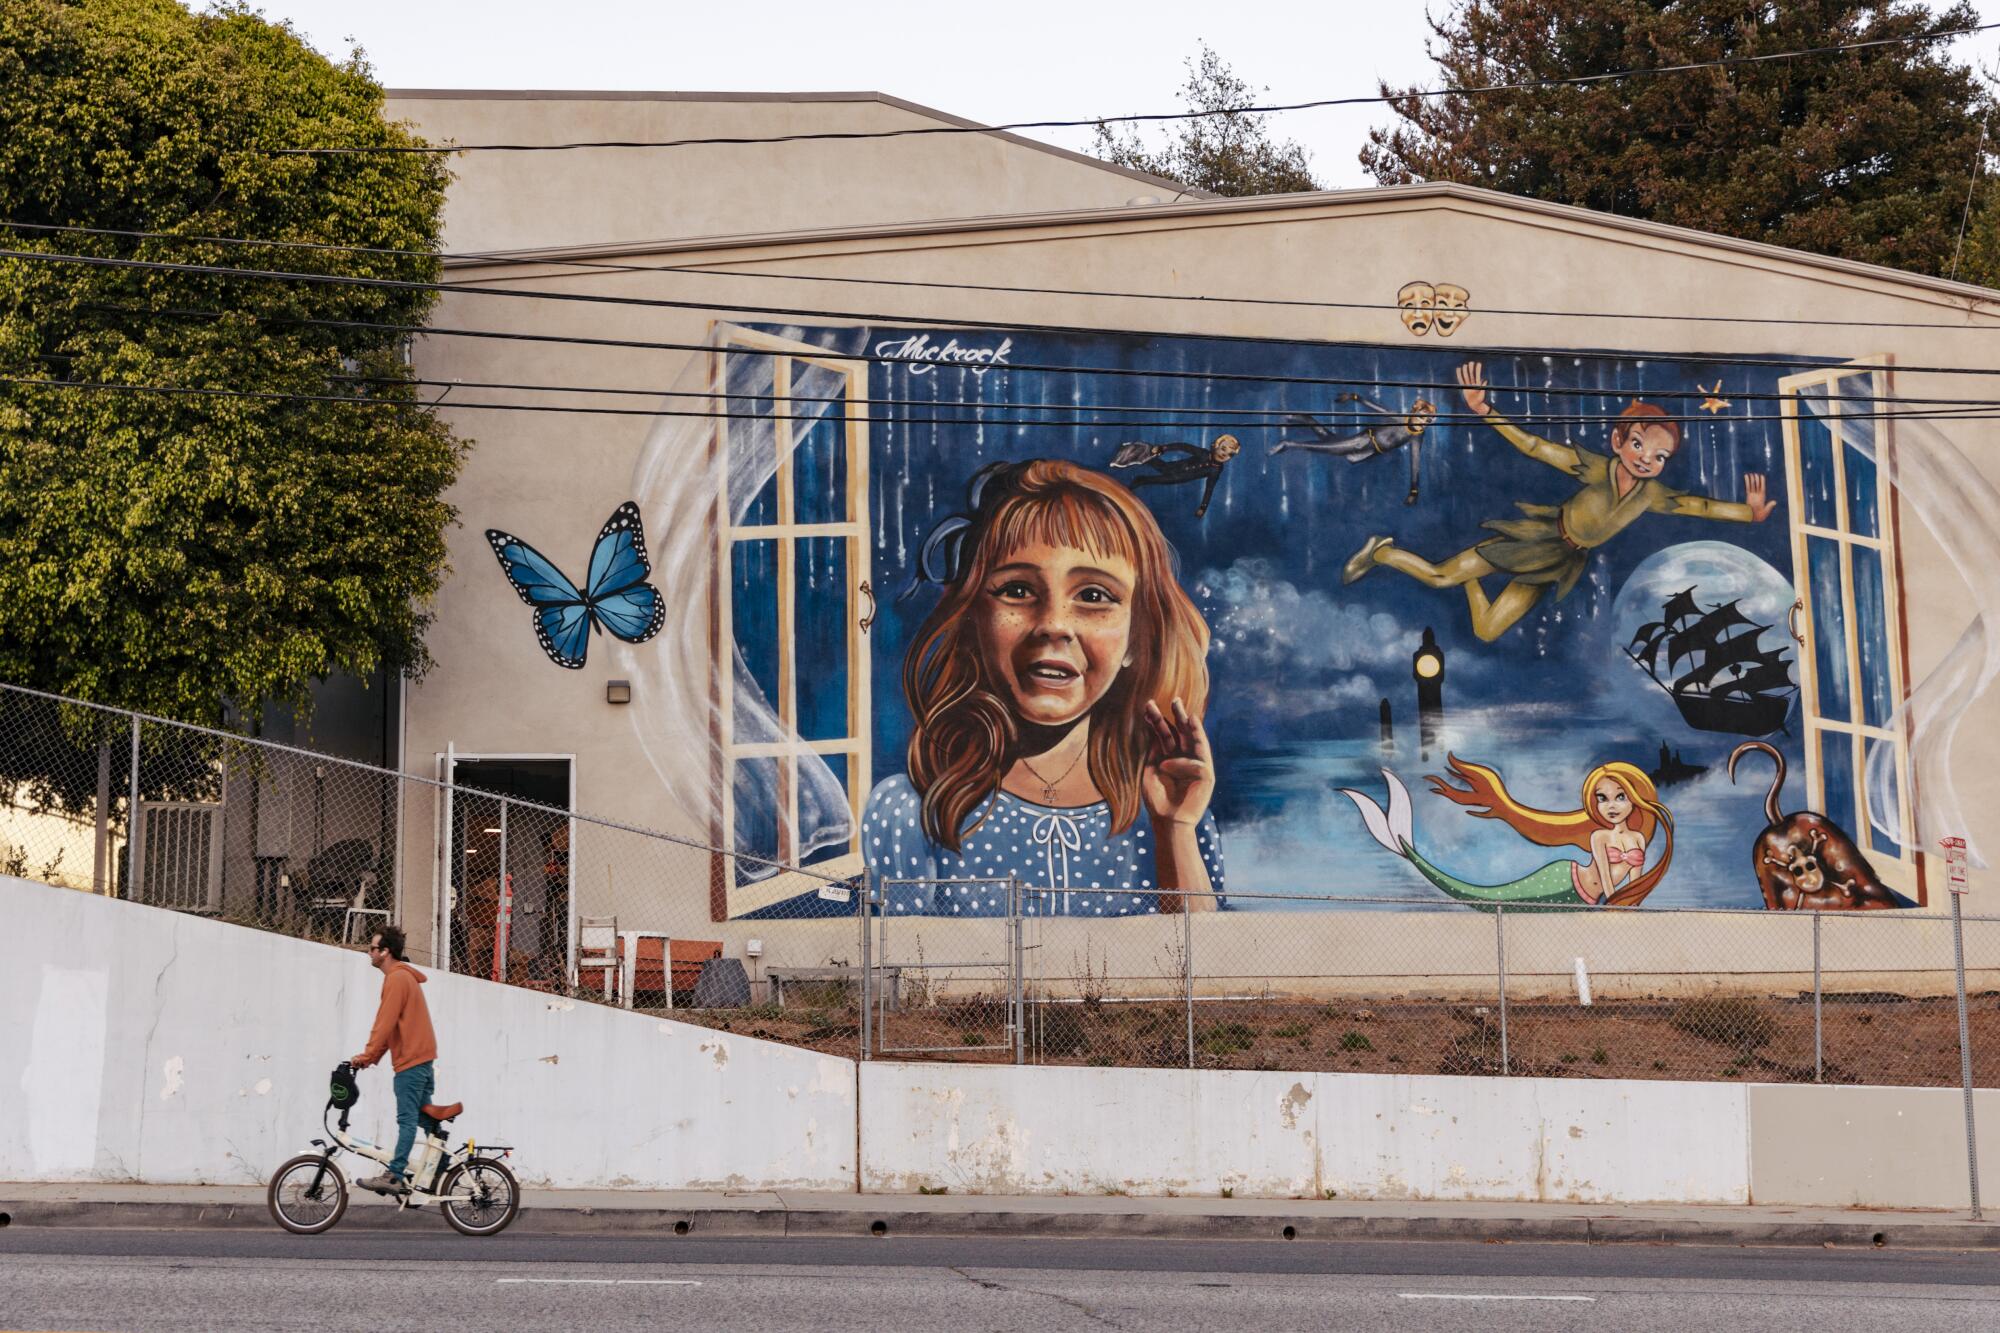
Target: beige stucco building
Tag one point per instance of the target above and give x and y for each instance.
(766, 712)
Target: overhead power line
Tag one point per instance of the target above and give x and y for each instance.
(595, 266)
(1368, 99)
(880, 318)
(1949, 406)
(1115, 372)
(561, 409)
(1442, 386)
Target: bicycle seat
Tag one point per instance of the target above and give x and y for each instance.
(444, 1112)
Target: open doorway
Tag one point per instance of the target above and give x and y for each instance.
(510, 861)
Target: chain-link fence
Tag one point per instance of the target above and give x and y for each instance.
(1328, 983)
(485, 881)
(520, 890)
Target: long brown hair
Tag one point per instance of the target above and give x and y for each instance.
(965, 728)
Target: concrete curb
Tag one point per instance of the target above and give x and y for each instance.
(883, 1216)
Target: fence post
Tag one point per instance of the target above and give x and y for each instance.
(1500, 958)
(100, 859)
(1187, 973)
(866, 896)
(1819, 1032)
(396, 865)
(135, 873)
(503, 929)
(1965, 1052)
(1017, 964)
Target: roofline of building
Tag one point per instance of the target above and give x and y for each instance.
(1170, 187)
(1322, 201)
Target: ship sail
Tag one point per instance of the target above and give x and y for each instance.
(1680, 607)
(1705, 634)
(1758, 680)
(1645, 645)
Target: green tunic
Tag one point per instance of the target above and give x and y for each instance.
(1552, 543)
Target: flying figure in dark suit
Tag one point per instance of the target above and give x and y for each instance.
(1177, 464)
(1396, 430)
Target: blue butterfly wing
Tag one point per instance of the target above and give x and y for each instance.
(634, 614)
(562, 614)
(619, 558)
(564, 633)
(616, 590)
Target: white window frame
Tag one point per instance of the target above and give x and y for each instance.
(1903, 869)
(731, 897)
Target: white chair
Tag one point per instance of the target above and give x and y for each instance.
(359, 908)
(598, 949)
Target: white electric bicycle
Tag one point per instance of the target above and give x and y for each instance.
(477, 1194)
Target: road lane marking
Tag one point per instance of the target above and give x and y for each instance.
(1476, 1296)
(596, 1281)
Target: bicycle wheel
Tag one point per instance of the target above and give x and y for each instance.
(493, 1197)
(308, 1194)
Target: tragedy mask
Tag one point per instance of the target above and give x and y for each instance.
(1416, 300)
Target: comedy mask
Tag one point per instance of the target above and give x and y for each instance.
(1450, 309)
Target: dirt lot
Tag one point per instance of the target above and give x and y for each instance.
(1872, 1038)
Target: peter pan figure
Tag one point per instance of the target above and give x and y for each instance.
(1551, 545)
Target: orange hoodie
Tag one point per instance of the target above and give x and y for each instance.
(403, 1023)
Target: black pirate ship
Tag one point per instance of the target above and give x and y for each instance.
(1715, 667)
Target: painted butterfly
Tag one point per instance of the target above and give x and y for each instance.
(614, 596)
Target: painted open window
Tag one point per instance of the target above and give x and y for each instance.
(792, 597)
(1840, 462)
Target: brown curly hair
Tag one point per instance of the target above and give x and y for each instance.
(965, 728)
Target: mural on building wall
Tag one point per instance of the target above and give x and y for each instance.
(1113, 614)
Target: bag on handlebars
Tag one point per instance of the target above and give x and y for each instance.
(343, 1092)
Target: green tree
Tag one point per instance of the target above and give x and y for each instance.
(1231, 153)
(1864, 154)
(189, 555)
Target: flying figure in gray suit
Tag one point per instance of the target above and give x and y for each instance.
(1395, 430)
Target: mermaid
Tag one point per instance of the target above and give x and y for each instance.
(1615, 826)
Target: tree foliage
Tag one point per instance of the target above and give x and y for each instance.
(186, 555)
(1228, 154)
(1863, 154)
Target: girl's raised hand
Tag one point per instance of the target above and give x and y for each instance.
(1179, 777)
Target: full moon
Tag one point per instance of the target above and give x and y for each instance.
(1718, 573)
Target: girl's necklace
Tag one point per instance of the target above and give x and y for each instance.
(1048, 787)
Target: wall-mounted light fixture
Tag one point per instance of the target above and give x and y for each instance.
(618, 691)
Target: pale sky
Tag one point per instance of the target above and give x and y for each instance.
(1021, 60)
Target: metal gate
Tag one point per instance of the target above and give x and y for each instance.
(180, 855)
(960, 991)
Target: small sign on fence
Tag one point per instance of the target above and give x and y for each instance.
(1954, 864)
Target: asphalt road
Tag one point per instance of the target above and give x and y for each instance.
(169, 1280)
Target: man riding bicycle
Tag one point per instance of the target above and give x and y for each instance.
(403, 1029)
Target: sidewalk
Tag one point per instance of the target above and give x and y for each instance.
(757, 1214)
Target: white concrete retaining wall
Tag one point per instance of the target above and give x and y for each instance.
(140, 1044)
(983, 1129)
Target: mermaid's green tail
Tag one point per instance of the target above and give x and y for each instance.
(1551, 886)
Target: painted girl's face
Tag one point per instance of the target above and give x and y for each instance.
(1055, 625)
(1644, 451)
(1610, 802)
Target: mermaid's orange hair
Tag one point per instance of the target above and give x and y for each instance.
(1485, 795)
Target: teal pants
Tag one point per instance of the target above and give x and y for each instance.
(414, 1087)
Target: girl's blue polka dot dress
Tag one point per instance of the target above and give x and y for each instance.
(1070, 852)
